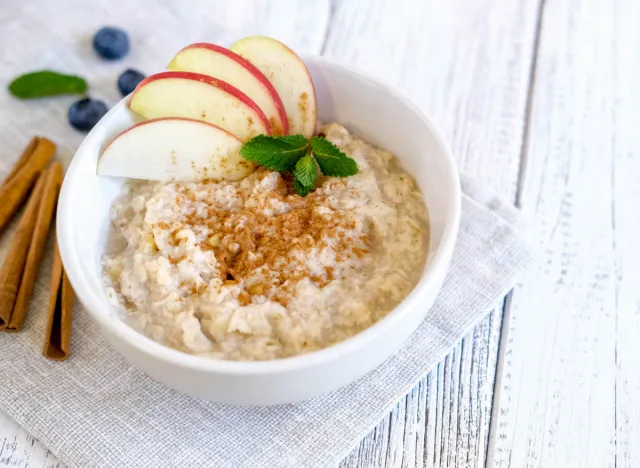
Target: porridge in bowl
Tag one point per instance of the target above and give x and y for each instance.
(247, 230)
(250, 270)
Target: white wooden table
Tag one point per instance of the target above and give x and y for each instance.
(540, 101)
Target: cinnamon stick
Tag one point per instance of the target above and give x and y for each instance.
(11, 272)
(24, 158)
(53, 180)
(15, 190)
(57, 342)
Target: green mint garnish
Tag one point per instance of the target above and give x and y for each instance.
(332, 161)
(301, 189)
(46, 83)
(297, 155)
(305, 172)
(276, 153)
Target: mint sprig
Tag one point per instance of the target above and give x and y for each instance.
(301, 157)
(46, 83)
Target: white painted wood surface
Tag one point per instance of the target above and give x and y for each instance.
(568, 388)
(569, 380)
(19, 449)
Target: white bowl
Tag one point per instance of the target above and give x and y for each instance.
(373, 111)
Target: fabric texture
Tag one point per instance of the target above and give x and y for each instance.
(95, 410)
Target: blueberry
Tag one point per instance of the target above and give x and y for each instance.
(128, 81)
(85, 113)
(111, 43)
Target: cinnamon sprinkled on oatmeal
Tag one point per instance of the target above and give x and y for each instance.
(250, 270)
(269, 248)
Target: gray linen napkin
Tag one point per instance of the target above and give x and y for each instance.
(96, 411)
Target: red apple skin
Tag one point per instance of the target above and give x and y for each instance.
(223, 85)
(140, 124)
(255, 72)
(313, 87)
(302, 102)
(244, 167)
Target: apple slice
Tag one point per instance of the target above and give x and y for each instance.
(174, 148)
(221, 63)
(289, 76)
(202, 97)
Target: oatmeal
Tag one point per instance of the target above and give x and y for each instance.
(249, 270)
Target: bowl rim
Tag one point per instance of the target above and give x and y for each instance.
(100, 310)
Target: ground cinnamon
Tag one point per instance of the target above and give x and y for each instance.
(15, 190)
(57, 342)
(11, 273)
(263, 251)
(53, 180)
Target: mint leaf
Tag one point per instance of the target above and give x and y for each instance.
(276, 153)
(332, 161)
(305, 171)
(301, 189)
(46, 83)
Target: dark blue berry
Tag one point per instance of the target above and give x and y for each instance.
(128, 81)
(111, 43)
(85, 113)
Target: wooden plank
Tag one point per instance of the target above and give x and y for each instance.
(626, 231)
(463, 412)
(467, 64)
(570, 374)
(415, 426)
(19, 449)
(428, 420)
